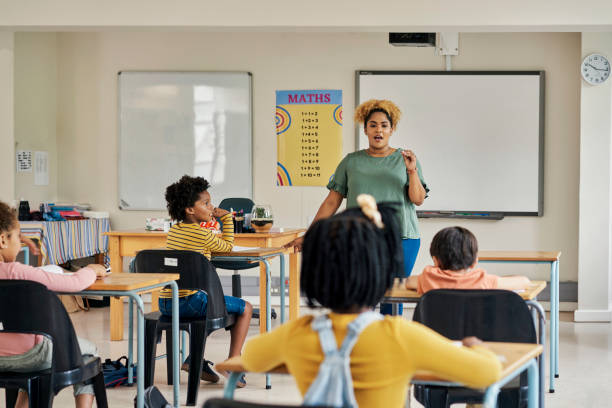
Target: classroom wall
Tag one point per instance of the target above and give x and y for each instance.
(87, 115)
(354, 15)
(595, 236)
(36, 110)
(7, 145)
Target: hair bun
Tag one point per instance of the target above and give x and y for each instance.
(367, 203)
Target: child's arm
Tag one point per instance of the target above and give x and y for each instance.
(412, 282)
(78, 281)
(513, 282)
(223, 243)
(264, 352)
(474, 366)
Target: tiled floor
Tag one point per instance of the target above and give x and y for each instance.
(585, 366)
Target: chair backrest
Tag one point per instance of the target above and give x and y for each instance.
(491, 315)
(237, 204)
(195, 270)
(29, 307)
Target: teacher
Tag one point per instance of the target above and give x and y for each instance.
(387, 173)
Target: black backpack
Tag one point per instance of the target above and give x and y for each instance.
(154, 399)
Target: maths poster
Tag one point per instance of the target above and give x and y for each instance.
(309, 136)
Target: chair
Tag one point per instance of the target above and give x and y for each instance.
(29, 307)
(227, 403)
(196, 272)
(246, 205)
(491, 315)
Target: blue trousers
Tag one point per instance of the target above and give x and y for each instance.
(411, 250)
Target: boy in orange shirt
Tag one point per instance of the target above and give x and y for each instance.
(454, 251)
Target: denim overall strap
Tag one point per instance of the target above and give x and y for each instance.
(333, 385)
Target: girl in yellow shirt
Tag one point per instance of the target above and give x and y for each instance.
(348, 264)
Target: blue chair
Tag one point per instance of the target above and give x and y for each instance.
(246, 205)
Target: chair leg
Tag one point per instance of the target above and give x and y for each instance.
(41, 393)
(197, 341)
(10, 396)
(169, 357)
(100, 390)
(150, 349)
(236, 285)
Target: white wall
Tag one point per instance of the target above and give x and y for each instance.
(353, 15)
(87, 114)
(595, 191)
(7, 140)
(36, 110)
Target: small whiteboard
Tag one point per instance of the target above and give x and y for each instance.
(479, 135)
(177, 123)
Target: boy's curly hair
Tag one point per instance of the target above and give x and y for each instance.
(8, 219)
(367, 108)
(184, 193)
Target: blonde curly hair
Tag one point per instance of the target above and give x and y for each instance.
(363, 111)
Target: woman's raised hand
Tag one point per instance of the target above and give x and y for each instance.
(296, 244)
(410, 160)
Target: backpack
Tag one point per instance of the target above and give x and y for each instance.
(333, 385)
(115, 372)
(153, 399)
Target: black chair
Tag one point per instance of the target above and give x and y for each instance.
(226, 403)
(29, 307)
(246, 205)
(196, 272)
(491, 315)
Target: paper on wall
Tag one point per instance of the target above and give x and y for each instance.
(41, 168)
(24, 161)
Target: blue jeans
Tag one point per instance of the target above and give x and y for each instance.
(195, 305)
(411, 250)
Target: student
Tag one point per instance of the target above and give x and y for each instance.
(454, 251)
(189, 203)
(348, 264)
(29, 352)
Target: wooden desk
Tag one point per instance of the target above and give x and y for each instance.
(261, 255)
(515, 357)
(133, 285)
(129, 242)
(536, 257)
(399, 293)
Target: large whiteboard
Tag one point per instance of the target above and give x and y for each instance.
(177, 123)
(478, 135)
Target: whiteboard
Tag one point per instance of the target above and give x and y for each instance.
(479, 136)
(177, 123)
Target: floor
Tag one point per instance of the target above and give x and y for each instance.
(585, 367)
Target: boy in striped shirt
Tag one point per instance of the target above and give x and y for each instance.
(189, 203)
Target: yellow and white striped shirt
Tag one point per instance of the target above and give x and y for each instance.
(192, 237)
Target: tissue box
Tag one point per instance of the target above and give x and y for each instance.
(157, 224)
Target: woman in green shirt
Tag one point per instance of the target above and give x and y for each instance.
(387, 173)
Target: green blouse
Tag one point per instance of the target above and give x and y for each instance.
(385, 178)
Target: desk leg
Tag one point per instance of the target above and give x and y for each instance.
(491, 393)
(116, 318)
(268, 311)
(538, 311)
(116, 305)
(155, 300)
(294, 285)
(175, 341)
(139, 350)
(130, 341)
(230, 385)
(262, 297)
(557, 325)
(554, 315)
(282, 288)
